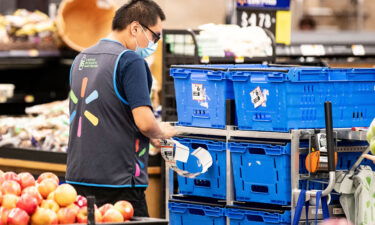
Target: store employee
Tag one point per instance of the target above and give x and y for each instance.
(112, 121)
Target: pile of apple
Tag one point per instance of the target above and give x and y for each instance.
(25, 200)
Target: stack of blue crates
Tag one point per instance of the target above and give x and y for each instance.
(274, 99)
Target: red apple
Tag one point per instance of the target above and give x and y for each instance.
(12, 176)
(3, 216)
(51, 195)
(82, 215)
(125, 208)
(81, 201)
(47, 186)
(18, 216)
(48, 175)
(26, 179)
(44, 217)
(112, 215)
(103, 209)
(1, 197)
(65, 195)
(74, 207)
(2, 179)
(50, 204)
(10, 201)
(66, 216)
(98, 216)
(28, 203)
(33, 191)
(11, 187)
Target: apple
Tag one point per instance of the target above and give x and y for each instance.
(372, 146)
(12, 176)
(18, 216)
(67, 215)
(3, 216)
(44, 217)
(33, 191)
(1, 197)
(2, 179)
(48, 175)
(82, 215)
(74, 207)
(112, 215)
(98, 216)
(47, 186)
(10, 201)
(11, 187)
(28, 203)
(65, 195)
(103, 209)
(81, 201)
(51, 195)
(125, 208)
(26, 179)
(50, 204)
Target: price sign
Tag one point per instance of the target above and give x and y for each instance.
(261, 18)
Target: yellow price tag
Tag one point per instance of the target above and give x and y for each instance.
(205, 59)
(283, 27)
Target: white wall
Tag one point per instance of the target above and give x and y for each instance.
(191, 13)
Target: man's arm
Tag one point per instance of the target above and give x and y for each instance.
(148, 126)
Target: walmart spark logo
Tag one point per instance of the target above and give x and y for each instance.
(92, 97)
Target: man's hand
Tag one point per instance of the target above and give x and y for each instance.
(168, 130)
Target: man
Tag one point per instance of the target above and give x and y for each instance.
(111, 116)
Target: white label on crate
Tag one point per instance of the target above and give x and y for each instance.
(257, 97)
(338, 211)
(265, 94)
(198, 92)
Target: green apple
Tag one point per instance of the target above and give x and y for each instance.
(372, 146)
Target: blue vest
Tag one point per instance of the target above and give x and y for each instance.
(105, 147)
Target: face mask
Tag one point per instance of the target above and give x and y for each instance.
(149, 50)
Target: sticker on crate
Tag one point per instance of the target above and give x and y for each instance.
(199, 92)
(259, 97)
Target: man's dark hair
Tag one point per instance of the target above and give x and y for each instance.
(145, 12)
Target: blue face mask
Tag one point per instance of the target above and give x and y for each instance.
(149, 50)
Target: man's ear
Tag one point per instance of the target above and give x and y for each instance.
(134, 28)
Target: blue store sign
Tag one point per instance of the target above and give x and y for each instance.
(280, 4)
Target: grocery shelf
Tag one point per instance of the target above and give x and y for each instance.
(231, 131)
(142, 221)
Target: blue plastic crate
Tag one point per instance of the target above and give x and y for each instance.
(252, 217)
(295, 97)
(201, 96)
(194, 214)
(261, 172)
(202, 91)
(347, 159)
(213, 182)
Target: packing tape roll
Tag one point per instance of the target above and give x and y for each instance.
(173, 151)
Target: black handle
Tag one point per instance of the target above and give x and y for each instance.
(329, 136)
(90, 210)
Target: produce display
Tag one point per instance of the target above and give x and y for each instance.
(27, 30)
(45, 127)
(43, 201)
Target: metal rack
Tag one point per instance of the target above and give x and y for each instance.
(294, 136)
